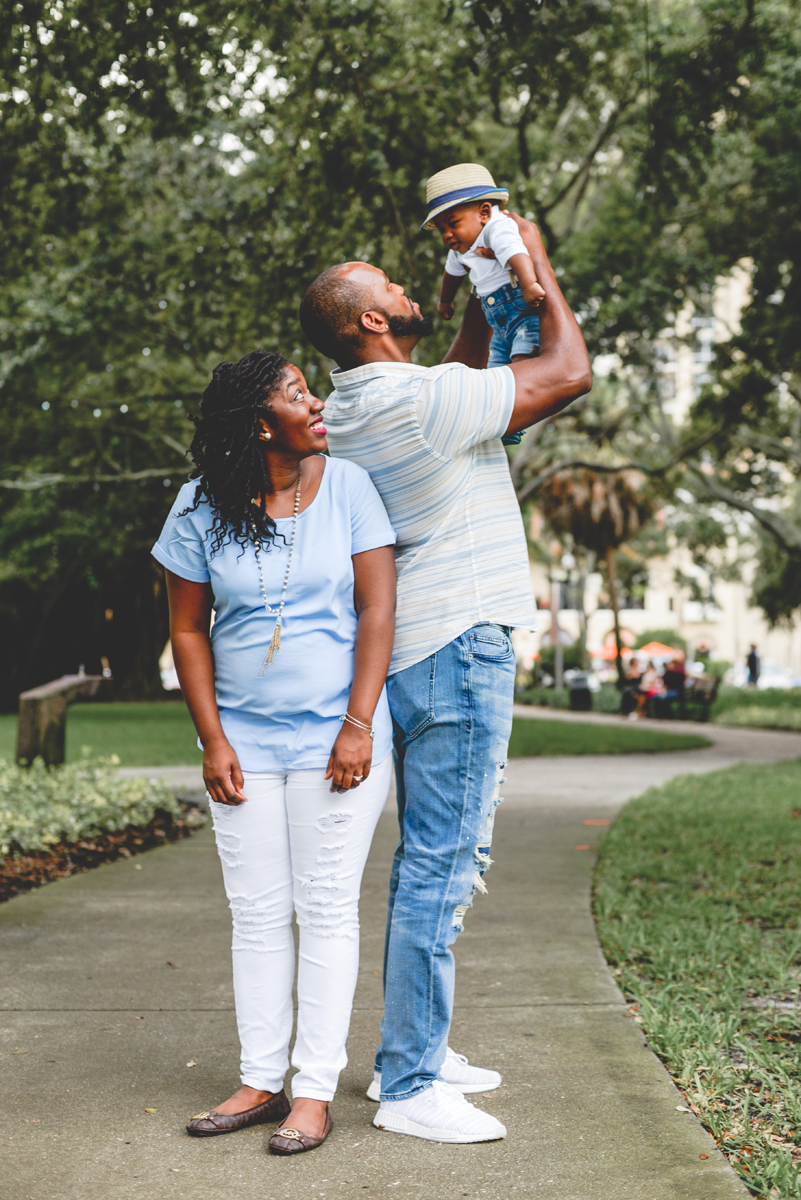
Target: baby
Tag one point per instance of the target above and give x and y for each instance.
(485, 242)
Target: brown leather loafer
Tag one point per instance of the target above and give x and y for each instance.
(292, 1141)
(209, 1124)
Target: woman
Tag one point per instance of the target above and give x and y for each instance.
(650, 686)
(293, 551)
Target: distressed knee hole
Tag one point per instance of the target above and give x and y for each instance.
(335, 822)
(324, 907)
(252, 921)
(329, 860)
(458, 916)
(229, 845)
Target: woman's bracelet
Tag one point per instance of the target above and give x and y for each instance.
(359, 724)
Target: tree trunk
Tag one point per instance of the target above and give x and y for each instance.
(612, 577)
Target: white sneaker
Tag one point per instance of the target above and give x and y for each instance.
(456, 1071)
(439, 1114)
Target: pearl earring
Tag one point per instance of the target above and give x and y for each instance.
(265, 437)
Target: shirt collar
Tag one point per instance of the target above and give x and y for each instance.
(352, 381)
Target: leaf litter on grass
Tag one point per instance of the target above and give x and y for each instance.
(698, 903)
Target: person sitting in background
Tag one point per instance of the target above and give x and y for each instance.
(673, 687)
(628, 700)
(650, 685)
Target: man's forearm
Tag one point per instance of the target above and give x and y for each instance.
(545, 385)
(471, 344)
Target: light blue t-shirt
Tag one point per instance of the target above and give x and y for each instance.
(287, 719)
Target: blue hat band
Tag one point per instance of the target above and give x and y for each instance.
(467, 193)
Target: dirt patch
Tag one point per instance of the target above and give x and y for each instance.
(23, 872)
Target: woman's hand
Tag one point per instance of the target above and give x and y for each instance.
(349, 764)
(222, 774)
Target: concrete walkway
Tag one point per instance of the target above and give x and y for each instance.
(116, 998)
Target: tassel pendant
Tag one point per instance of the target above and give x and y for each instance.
(272, 649)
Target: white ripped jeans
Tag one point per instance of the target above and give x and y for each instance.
(296, 846)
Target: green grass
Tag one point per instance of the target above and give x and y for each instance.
(157, 734)
(160, 734)
(532, 736)
(698, 905)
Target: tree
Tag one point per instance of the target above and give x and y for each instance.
(600, 513)
(173, 180)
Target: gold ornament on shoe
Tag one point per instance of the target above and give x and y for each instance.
(201, 1116)
(289, 1133)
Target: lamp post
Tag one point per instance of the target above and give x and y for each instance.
(558, 577)
(556, 587)
(568, 564)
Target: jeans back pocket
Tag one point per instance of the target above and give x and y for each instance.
(491, 643)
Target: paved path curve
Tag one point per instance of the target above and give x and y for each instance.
(115, 981)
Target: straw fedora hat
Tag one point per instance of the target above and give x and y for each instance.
(455, 185)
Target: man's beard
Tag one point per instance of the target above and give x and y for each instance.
(411, 326)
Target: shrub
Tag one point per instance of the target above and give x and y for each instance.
(546, 697)
(607, 700)
(41, 806)
(740, 697)
(759, 716)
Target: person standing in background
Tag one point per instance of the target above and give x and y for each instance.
(752, 662)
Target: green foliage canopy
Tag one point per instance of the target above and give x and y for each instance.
(175, 178)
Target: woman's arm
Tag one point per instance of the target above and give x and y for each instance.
(374, 597)
(190, 617)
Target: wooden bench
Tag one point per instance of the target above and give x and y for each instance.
(41, 731)
(699, 695)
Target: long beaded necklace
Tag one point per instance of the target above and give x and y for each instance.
(275, 640)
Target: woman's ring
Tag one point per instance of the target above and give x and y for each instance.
(358, 778)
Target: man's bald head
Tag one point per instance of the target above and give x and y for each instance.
(331, 310)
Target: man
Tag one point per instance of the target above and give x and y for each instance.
(430, 439)
(752, 662)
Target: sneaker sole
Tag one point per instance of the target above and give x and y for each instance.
(397, 1124)
(467, 1089)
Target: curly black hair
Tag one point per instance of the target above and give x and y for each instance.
(229, 463)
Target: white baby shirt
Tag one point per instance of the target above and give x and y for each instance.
(500, 234)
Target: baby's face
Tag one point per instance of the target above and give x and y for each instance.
(460, 226)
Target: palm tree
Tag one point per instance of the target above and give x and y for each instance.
(600, 511)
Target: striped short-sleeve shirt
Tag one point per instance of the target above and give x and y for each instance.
(429, 438)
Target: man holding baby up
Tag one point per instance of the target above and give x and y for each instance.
(431, 440)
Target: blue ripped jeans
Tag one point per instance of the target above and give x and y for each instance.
(452, 716)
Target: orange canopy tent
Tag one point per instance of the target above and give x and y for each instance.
(658, 650)
(609, 652)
